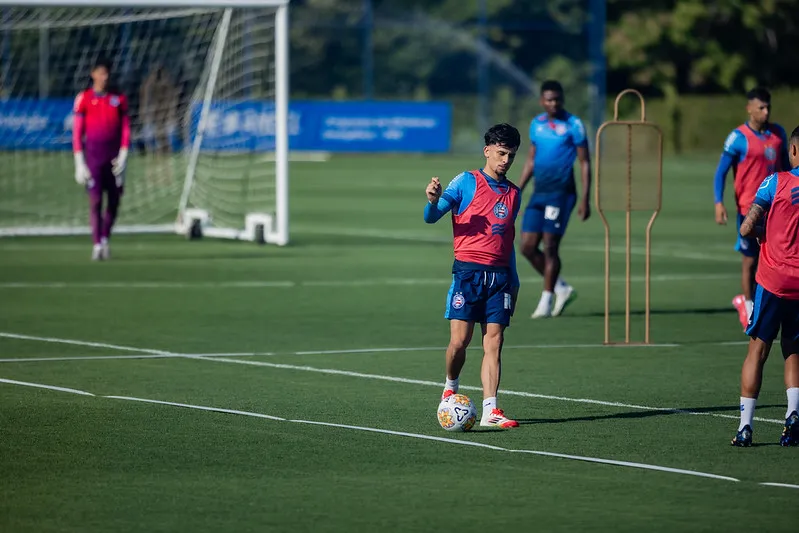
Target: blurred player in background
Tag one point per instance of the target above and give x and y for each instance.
(484, 207)
(753, 150)
(556, 138)
(100, 142)
(157, 109)
(776, 304)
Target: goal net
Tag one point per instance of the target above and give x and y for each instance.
(207, 88)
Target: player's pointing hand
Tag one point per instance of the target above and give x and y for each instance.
(433, 191)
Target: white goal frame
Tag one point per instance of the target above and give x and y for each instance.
(274, 230)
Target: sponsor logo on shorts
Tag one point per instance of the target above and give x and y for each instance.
(458, 301)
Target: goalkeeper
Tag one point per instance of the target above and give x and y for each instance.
(100, 141)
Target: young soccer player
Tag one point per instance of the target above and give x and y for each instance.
(556, 138)
(776, 304)
(484, 207)
(100, 142)
(753, 150)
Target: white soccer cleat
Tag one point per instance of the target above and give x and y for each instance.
(496, 418)
(105, 251)
(544, 310)
(563, 297)
(97, 252)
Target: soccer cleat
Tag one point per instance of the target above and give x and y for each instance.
(739, 303)
(743, 438)
(544, 310)
(790, 433)
(447, 393)
(497, 418)
(105, 251)
(563, 297)
(97, 252)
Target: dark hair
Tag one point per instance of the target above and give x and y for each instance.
(102, 62)
(760, 93)
(551, 85)
(503, 135)
(795, 135)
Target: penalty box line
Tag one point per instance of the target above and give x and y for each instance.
(224, 358)
(365, 429)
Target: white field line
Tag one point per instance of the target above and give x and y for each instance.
(330, 371)
(82, 343)
(289, 284)
(419, 436)
(40, 386)
(784, 485)
(395, 379)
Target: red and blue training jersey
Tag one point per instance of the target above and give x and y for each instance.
(484, 214)
(101, 126)
(753, 156)
(778, 269)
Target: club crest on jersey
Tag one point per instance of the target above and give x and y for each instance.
(458, 301)
(770, 153)
(114, 101)
(500, 210)
(560, 129)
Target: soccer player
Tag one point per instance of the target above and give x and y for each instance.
(753, 150)
(556, 138)
(776, 304)
(100, 142)
(484, 207)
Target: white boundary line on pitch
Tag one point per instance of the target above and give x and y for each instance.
(419, 436)
(330, 371)
(289, 284)
(784, 485)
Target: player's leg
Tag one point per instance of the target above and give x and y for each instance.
(557, 293)
(750, 251)
(463, 305)
(113, 197)
(499, 308)
(530, 247)
(790, 351)
(94, 190)
(766, 319)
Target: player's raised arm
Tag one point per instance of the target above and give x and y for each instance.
(440, 203)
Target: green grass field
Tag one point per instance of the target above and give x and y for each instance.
(340, 337)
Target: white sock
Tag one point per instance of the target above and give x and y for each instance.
(750, 305)
(793, 401)
(747, 412)
(452, 384)
(561, 284)
(546, 298)
(489, 404)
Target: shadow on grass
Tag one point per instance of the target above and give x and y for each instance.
(636, 414)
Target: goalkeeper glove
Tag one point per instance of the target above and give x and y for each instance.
(82, 173)
(119, 164)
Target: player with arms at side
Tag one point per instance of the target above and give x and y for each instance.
(484, 207)
(753, 150)
(100, 142)
(776, 304)
(556, 138)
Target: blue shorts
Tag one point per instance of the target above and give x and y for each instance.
(480, 296)
(548, 213)
(770, 313)
(748, 246)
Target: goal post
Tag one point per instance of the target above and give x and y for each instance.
(208, 85)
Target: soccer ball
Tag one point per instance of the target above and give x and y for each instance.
(457, 413)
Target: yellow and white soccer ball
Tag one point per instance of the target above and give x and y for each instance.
(457, 413)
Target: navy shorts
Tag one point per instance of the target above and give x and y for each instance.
(748, 246)
(480, 296)
(548, 213)
(772, 313)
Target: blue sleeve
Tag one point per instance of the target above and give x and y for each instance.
(767, 191)
(532, 132)
(578, 132)
(451, 199)
(736, 146)
(725, 164)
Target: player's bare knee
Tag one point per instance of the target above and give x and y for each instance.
(758, 350)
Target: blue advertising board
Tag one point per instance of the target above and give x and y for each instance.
(250, 126)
